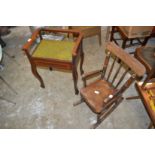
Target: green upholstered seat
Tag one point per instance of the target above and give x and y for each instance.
(60, 50)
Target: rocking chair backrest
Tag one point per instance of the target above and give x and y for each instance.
(120, 68)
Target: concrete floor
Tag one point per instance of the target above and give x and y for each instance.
(52, 107)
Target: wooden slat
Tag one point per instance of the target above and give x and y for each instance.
(134, 64)
(106, 62)
(122, 77)
(118, 70)
(111, 69)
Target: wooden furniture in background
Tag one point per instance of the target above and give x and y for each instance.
(146, 55)
(131, 33)
(89, 31)
(153, 32)
(55, 54)
(147, 95)
(119, 71)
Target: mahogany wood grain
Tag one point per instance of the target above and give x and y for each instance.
(77, 53)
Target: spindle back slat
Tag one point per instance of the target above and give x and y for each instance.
(106, 62)
(111, 69)
(117, 72)
(126, 58)
(122, 78)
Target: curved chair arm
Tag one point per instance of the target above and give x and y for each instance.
(31, 40)
(90, 75)
(78, 43)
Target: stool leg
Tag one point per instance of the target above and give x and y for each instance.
(82, 59)
(36, 74)
(75, 79)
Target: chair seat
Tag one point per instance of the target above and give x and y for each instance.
(96, 93)
(52, 49)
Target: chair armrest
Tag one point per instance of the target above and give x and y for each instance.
(92, 74)
(31, 40)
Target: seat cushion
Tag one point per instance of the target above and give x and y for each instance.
(96, 94)
(60, 50)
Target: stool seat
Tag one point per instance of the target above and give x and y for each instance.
(51, 49)
(58, 54)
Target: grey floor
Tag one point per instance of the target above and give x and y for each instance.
(52, 107)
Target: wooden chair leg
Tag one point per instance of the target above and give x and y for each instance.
(78, 102)
(145, 41)
(94, 126)
(75, 79)
(36, 74)
(100, 38)
(151, 126)
(108, 34)
(50, 68)
(82, 60)
(132, 98)
(112, 33)
(131, 41)
(101, 117)
(124, 43)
